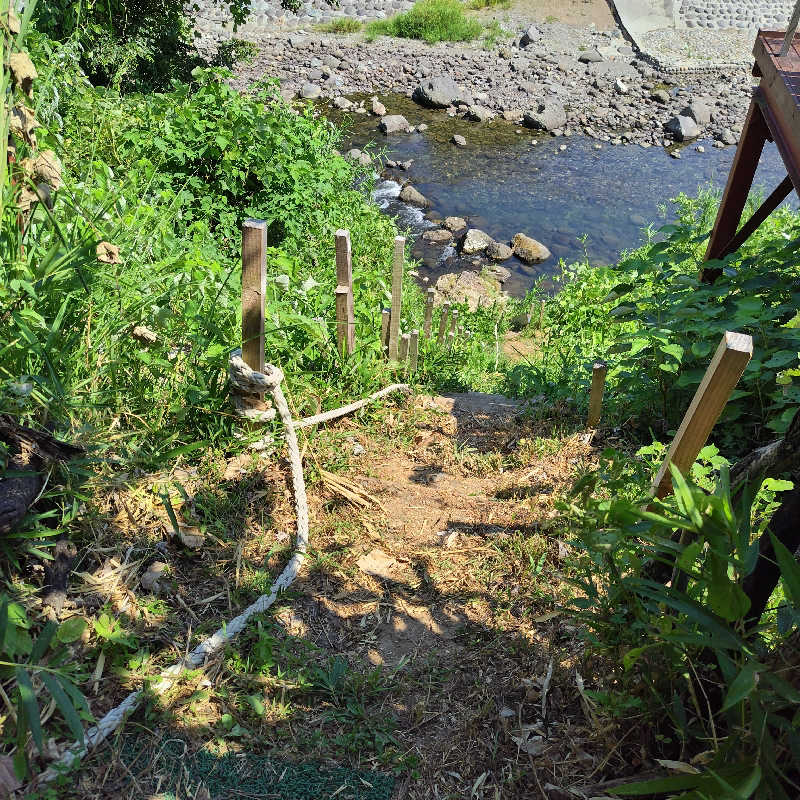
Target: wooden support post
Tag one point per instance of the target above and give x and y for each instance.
(790, 31)
(413, 351)
(754, 134)
(443, 323)
(254, 290)
(397, 295)
(599, 371)
(454, 321)
(402, 347)
(385, 317)
(541, 315)
(723, 373)
(345, 319)
(451, 340)
(426, 325)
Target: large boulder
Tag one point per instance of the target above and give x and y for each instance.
(547, 117)
(439, 91)
(475, 241)
(529, 250)
(437, 236)
(530, 36)
(590, 56)
(479, 113)
(410, 195)
(470, 288)
(698, 111)
(310, 91)
(455, 223)
(378, 108)
(393, 123)
(682, 128)
(498, 251)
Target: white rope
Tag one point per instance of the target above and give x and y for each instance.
(349, 409)
(269, 380)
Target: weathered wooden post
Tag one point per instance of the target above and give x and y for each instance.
(413, 351)
(254, 290)
(397, 295)
(426, 325)
(385, 317)
(723, 373)
(402, 349)
(443, 323)
(345, 320)
(541, 315)
(454, 321)
(599, 371)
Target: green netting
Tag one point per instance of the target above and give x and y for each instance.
(171, 771)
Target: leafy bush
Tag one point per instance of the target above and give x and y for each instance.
(430, 20)
(341, 25)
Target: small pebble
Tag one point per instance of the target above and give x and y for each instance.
(700, 148)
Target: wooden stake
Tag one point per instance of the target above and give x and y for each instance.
(541, 315)
(345, 320)
(443, 323)
(451, 340)
(397, 295)
(413, 351)
(385, 317)
(254, 291)
(454, 321)
(723, 373)
(426, 325)
(402, 349)
(596, 397)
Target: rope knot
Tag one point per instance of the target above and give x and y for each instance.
(248, 381)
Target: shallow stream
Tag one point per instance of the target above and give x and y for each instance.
(509, 179)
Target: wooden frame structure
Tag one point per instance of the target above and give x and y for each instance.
(774, 115)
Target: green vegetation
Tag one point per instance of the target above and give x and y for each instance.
(477, 5)
(341, 25)
(430, 20)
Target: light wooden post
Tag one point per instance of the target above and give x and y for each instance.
(596, 396)
(723, 373)
(254, 291)
(451, 340)
(454, 321)
(397, 295)
(413, 351)
(541, 314)
(402, 347)
(345, 321)
(385, 317)
(426, 325)
(443, 323)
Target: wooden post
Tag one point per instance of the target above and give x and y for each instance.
(385, 316)
(345, 321)
(443, 323)
(451, 340)
(596, 396)
(397, 295)
(723, 373)
(413, 351)
(402, 348)
(541, 315)
(454, 321)
(426, 325)
(254, 290)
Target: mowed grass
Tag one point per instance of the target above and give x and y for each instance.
(430, 20)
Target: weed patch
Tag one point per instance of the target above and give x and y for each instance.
(430, 20)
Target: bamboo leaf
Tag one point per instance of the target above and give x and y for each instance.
(31, 707)
(64, 705)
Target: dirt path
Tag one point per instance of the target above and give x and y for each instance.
(571, 12)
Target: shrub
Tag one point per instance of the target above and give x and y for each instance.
(341, 25)
(432, 21)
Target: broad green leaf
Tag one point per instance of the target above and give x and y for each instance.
(71, 629)
(776, 485)
(727, 599)
(43, 642)
(790, 570)
(64, 705)
(28, 698)
(743, 684)
(689, 555)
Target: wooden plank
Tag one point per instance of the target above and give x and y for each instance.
(443, 323)
(790, 31)
(413, 351)
(403, 345)
(345, 317)
(397, 295)
(426, 325)
(254, 291)
(723, 373)
(740, 179)
(599, 371)
(385, 317)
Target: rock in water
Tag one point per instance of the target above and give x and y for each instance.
(682, 128)
(479, 114)
(548, 117)
(475, 241)
(455, 223)
(459, 140)
(498, 251)
(378, 108)
(440, 91)
(529, 250)
(437, 236)
(342, 103)
(410, 195)
(310, 91)
(698, 111)
(393, 123)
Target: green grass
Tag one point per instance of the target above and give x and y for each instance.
(477, 5)
(430, 20)
(341, 25)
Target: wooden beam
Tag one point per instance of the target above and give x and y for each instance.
(397, 295)
(599, 371)
(426, 325)
(345, 319)
(254, 290)
(723, 373)
(413, 351)
(790, 31)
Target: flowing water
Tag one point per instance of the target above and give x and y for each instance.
(508, 180)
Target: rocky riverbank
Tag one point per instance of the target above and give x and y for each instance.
(557, 78)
